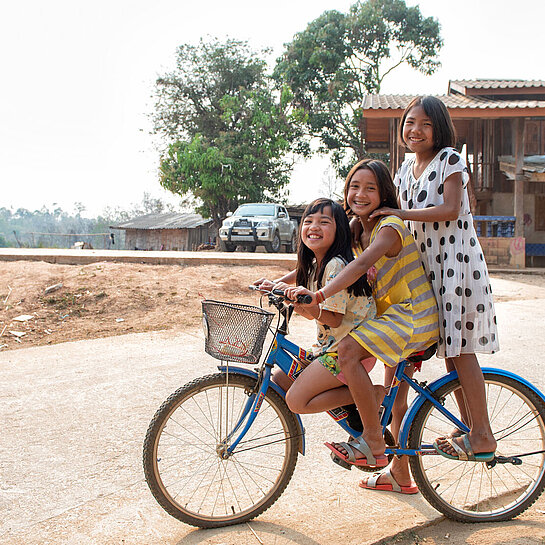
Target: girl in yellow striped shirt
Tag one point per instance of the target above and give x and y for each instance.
(406, 321)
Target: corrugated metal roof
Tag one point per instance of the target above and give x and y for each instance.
(400, 102)
(498, 83)
(170, 220)
(532, 163)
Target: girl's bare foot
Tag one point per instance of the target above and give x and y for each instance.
(479, 444)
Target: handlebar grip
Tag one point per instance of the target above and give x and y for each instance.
(304, 299)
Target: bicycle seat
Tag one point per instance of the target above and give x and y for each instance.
(423, 355)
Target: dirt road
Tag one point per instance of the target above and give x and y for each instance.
(105, 299)
(74, 416)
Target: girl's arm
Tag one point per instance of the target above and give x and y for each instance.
(449, 210)
(355, 231)
(288, 278)
(387, 242)
(326, 317)
(268, 285)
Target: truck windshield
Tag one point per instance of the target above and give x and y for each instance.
(255, 210)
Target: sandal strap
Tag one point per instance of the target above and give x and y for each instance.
(395, 485)
(372, 481)
(350, 451)
(470, 455)
(462, 454)
(361, 445)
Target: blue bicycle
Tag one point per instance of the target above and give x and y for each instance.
(222, 449)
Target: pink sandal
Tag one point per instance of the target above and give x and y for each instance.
(349, 460)
(392, 486)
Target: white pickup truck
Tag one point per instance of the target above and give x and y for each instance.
(256, 224)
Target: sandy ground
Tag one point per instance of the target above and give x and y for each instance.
(107, 299)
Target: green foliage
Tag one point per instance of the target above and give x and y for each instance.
(339, 58)
(4, 243)
(228, 135)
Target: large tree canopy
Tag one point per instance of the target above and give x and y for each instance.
(339, 58)
(227, 132)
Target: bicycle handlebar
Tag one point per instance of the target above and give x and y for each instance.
(303, 299)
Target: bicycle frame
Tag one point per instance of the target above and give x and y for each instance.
(292, 359)
(428, 391)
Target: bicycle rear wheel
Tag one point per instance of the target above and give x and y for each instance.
(183, 448)
(481, 492)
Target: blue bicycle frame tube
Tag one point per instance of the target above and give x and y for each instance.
(435, 385)
(255, 406)
(288, 356)
(250, 406)
(424, 394)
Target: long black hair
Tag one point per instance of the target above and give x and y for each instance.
(341, 247)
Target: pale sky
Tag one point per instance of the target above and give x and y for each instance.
(77, 80)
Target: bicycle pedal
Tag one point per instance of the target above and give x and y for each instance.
(340, 461)
(516, 461)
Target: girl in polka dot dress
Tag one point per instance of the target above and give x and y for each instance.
(432, 189)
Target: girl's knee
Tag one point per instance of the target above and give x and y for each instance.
(293, 401)
(349, 351)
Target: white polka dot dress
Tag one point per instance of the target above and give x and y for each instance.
(453, 259)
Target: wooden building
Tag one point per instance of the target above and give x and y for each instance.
(500, 126)
(171, 231)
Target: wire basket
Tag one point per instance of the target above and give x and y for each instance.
(234, 332)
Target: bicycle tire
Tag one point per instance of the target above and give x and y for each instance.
(478, 491)
(185, 471)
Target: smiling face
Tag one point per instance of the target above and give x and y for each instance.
(318, 231)
(363, 195)
(418, 131)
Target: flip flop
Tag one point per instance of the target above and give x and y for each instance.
(465, 453)
(360, 445)
(391, 486)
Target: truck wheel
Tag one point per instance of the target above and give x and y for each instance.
(228, 247)
(291, 246)
(273, 247)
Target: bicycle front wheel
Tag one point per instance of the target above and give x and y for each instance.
(185, 461)
(477, 491)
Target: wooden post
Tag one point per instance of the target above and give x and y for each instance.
(519, 177)
(397, 150)
(393, 147)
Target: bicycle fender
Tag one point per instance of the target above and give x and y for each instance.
(436, 384)
(277, 389)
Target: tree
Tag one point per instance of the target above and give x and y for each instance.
(331, 185)
(228, 134)
(339, 58)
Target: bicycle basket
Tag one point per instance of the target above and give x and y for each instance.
(234, 332)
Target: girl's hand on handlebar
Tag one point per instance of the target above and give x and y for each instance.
(264, 285)
(281, 286)
(293, 293)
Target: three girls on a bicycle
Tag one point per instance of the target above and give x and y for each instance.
(408, 320)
